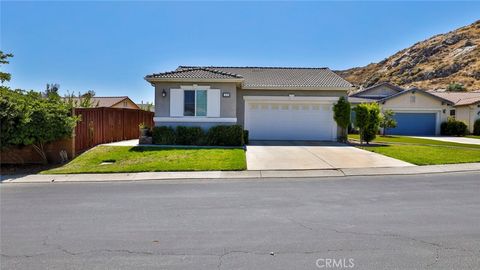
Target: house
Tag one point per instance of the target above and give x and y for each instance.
(420, 112)
(272, 103)
(467, 106)
(110, 102)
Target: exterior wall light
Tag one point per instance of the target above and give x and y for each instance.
(164, 93)
(444, 110)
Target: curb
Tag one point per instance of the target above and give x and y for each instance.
(202, 175)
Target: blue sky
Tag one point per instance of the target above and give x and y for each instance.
(110, 46)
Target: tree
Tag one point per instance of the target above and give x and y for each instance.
(82, 101)
(367, 120)
(51, 91)
(27, 118)
(5, 77)
(387, 121)
(456, 87)
(341, 115)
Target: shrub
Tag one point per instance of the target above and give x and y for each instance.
(453, 128)
(189, 135)
(341, 115)
(476, 127)
(246, 140)
(387, 121)
(163, 135)
(27, 118)
(367, 120)
(226, 135)
(456, 87)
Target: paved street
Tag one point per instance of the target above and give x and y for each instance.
(380, 222)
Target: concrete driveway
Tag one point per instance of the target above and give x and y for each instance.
(452, 139)
(305, 155)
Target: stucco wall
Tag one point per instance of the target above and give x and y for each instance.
(423, 103)
(468, 114)
(313, 93)
(129, 105)
(227, 105)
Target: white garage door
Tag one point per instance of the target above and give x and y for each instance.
(290, 120)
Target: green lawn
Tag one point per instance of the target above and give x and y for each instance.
(473, 136)
(150, 159)
(412, 140)
(427, 155)
(423, 151)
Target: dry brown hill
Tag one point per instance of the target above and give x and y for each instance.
(431, 64)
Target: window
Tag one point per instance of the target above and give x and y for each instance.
(452, 113)
(412, 99)
(195, 103)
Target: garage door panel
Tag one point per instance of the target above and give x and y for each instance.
(283, 121)
(414, 124)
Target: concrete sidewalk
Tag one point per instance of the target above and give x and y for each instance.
(240, 174)
(464, 140)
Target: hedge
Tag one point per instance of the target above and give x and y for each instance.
(453, 128)
(232, 135)
(476, 127)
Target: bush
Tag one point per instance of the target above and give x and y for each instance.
(189, 135)
(367, 120)
(163, 135)
(453, 128)
(476, 127)
(27, 118)
(245, 137)
(341, 115)
(226, 135)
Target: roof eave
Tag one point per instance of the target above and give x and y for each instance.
(189, 80)
(292, 88)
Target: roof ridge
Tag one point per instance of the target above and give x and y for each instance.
(259, 67)
(182, 69)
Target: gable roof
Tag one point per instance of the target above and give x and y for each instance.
(417, 90)
(459, 98)
(196, 73)
(262, 77)
(387, 84)
(107, 101)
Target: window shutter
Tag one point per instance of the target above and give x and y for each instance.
(213, 103)
(176, 102)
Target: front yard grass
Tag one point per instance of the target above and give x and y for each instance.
(420, 151)
(151, 159)
(473, 136)
(426, 154)
(412, 140)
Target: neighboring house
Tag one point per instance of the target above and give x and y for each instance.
(111, 102)
(467, 106)
(273, 103)
(420, 112)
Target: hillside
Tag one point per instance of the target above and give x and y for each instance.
(431, 64)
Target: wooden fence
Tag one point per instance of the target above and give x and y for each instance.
(104, 125)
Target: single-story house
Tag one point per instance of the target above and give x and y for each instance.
(467, 106)
(272, 103)
(420, 112)
(109, 102)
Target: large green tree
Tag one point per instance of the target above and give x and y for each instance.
(387, 121)
(5, 77)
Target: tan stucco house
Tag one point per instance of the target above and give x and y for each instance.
(420, 112)
(272, 103)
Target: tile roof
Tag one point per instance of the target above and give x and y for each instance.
(263, 77)
(196, 73)
(459, 98)
(391, 86)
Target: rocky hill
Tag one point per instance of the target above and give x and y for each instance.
(430, 64)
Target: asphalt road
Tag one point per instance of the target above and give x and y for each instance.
(388, 222)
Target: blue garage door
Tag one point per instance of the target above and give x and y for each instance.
(414, 124)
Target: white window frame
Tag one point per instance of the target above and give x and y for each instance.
(195, 95)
